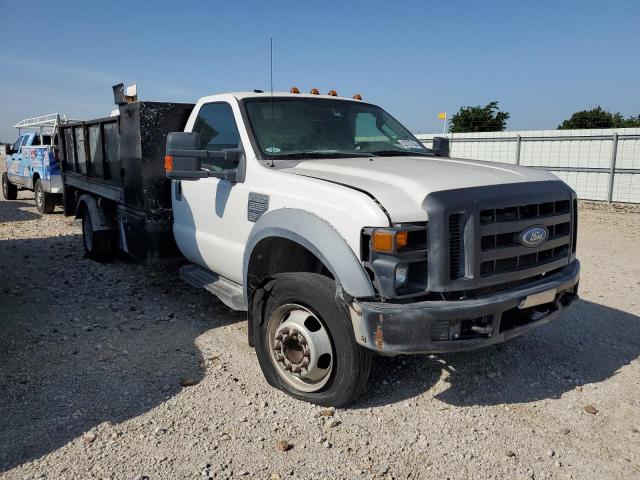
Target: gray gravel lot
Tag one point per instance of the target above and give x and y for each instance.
(92, 357)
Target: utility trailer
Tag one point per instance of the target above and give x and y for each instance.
(113, 167)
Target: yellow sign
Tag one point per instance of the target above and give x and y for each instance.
(442, 115)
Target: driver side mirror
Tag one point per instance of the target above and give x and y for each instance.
(8, 150)
(183, 160)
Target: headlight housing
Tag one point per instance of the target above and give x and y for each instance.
(397, 258)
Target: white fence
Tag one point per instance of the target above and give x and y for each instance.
(599, 164)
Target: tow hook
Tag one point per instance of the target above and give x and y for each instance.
(487, 329)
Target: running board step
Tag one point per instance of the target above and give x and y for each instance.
(229, 292)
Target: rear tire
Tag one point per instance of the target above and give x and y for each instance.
(9, 190)
(300, 314)
(45, 202)
(98, 244)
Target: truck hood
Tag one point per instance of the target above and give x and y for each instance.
(400, 184)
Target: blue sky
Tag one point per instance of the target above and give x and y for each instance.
(542, 60)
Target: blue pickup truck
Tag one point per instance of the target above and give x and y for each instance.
(32, 163)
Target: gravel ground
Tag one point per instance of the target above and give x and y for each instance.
(120, 371)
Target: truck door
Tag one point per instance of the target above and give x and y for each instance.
(210, 214)
(14, 162)
(25, 161)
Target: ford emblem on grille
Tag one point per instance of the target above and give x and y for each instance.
(533, 236)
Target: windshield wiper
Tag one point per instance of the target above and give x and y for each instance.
(399, 153)
(319, 154)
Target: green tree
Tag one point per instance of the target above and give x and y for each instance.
(598, 118)
(479, 119)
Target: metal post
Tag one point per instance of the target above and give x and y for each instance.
(612, 168)
(518, 142)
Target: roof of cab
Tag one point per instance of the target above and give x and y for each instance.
(243, 95)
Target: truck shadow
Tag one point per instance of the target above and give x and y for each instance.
(93, 343)
(15, 211)
(588, 344)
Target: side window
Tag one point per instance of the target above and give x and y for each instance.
(22, 142)
(218, 131)
(18, 144)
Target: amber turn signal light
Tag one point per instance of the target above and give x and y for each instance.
(385, 240)
(314, 91)
(382, 241)
(357, 96)
(332, 93)
(402, 239)
(168, 163)
(294, 90)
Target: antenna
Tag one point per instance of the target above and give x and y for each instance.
(271, 89)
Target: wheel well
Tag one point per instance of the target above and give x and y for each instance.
(275, 255)
(36, 176)
(280, 255)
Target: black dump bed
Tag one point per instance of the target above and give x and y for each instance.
(120, 159)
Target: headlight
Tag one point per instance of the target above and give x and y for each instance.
(402, 275)
(397, 258)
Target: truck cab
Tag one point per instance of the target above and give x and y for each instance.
(330, 224)
(32, 164)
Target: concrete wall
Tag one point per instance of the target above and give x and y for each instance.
(582, 158)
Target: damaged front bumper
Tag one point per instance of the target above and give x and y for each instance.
(447, 326)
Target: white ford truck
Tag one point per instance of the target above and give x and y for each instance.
(326, 220)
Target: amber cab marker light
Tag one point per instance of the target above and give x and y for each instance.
(168, 163)
(402, 238)
(314, 91)
(382, 241)
(294, 90)
(357, 96)
(332, 93)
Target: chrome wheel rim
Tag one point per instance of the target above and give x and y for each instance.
(300, 347)
(39, 194)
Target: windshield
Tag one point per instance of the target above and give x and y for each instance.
(326, 128)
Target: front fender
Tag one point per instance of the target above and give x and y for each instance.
(320, 238)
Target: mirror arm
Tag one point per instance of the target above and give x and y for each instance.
(187, 153)
(204, 153)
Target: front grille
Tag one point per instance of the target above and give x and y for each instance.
(475, 234)
(521, 212)
(510, 239)
(455, 247)
(501, 251)
(522, 262)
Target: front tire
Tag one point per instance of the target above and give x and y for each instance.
(305, 342)
(9, 190)
(45, 202)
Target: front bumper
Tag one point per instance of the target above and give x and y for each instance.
(448, 326)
